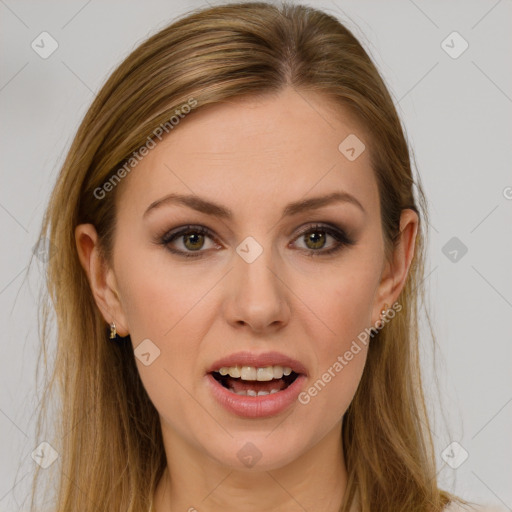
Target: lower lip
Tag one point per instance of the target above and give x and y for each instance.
(256, 406)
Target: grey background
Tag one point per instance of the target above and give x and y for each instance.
(457, 113)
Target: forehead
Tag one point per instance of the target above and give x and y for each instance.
(277, 148)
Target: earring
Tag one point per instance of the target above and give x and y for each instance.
(113, 332)
(385, 310)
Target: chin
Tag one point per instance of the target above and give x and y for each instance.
(265, 451)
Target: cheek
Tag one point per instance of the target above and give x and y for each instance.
(163, 306)
(344, 306)
(344, 301)
(159, 305)
(157, 293)
(331, 390)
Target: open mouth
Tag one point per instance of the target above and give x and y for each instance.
(255, 381)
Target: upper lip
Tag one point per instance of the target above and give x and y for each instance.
(247, 358)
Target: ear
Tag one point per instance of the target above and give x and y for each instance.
(395, 271)
(101, 278)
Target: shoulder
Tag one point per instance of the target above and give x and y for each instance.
(470, 507)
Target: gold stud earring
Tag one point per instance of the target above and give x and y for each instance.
(113, 332)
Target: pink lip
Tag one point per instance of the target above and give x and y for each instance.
(259, 361)
(257, 406)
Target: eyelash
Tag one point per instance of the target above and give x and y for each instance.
(339, 236)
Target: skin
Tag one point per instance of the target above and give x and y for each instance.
(253, 156)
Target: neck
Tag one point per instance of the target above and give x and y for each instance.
(315, 481)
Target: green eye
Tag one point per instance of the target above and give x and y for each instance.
(317, 242)
(315, 238)
(196, 241)
(193, 239)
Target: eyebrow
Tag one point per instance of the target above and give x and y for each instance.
(210, 208)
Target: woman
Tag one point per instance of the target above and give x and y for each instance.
(237, 258)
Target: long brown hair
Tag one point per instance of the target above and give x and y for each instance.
(109, 442)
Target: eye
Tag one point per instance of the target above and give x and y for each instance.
(315, 237)
(192, 240)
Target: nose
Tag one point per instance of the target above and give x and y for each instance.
(257, 295)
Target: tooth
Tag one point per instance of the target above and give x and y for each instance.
(234, 371)
(278, 372)
(243, 392)
(248, 373)
(265, 374)
(263, 393)
(274, 391)
(251, 392)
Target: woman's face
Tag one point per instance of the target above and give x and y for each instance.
(278, 278)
